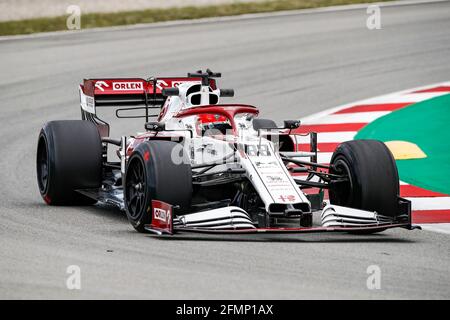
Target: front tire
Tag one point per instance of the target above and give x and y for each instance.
(152, 175)
(373, 178)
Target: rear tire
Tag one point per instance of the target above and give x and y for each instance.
(69, 157)
(152, 175)
(373, 178)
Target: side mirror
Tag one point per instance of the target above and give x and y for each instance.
(155, 126)
(267, 124)
(170, 92)
(226, 92)
(291, 124)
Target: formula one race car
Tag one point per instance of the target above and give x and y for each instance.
(209, 167)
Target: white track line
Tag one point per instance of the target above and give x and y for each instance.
(313, 117)
(357, 117)
(326, 137)
(411, 98)
(430, 203)
(324, 157)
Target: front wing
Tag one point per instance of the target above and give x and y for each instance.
(163, 223)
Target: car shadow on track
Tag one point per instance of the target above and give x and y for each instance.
(108, 211)
(379, 238)
(97, 210)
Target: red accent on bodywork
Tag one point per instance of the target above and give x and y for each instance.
(162, 217)
(106, 86)
(211, 118)
(146, 155)
(226, 110)
(88, 87)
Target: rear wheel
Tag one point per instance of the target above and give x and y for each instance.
(152, 175)
(373, 182)
(69, 157)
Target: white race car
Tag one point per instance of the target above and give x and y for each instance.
(203, 166)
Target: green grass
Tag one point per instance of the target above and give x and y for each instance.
(94, 20)
(425, 124)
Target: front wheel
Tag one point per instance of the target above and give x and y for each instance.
(153, 174)
(373, 182)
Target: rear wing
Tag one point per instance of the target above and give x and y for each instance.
(129, 93)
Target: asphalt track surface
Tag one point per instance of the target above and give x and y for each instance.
(289, 66)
